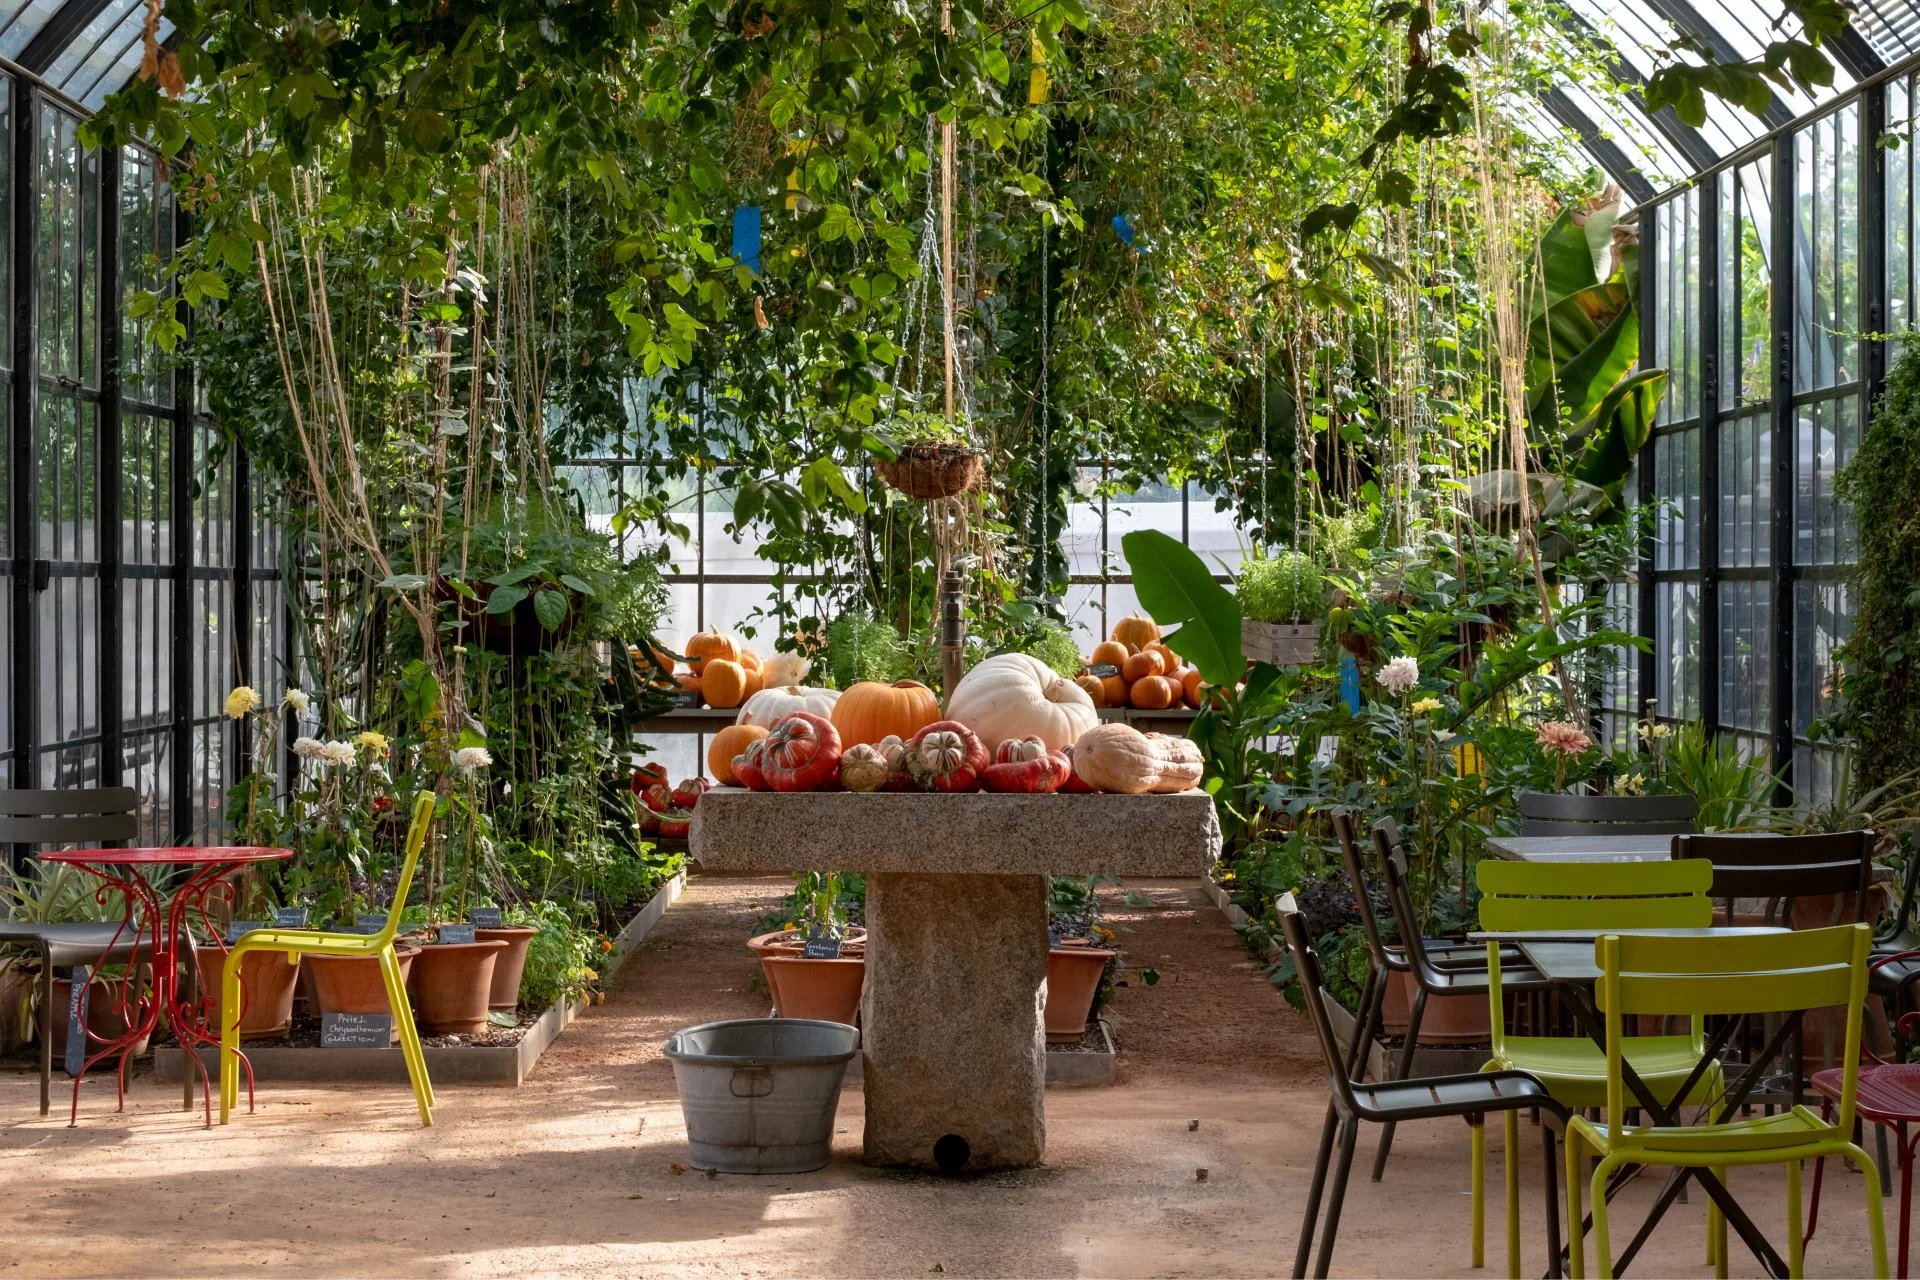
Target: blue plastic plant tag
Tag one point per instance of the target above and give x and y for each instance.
(1123, 227)
(746, 237)
(77, 1019)
(1350, 683)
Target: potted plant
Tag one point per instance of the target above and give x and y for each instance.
(931, 458)
(1078, 958)
(1282, 598)
(823, 976)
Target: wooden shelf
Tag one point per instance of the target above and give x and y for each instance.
(712, 720)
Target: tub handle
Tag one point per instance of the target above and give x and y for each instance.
(751, 1082)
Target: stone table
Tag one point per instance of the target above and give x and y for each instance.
(952, 1044)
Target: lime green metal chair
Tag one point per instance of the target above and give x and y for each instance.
(1519, 896)
(1777, 973)
(377, 945)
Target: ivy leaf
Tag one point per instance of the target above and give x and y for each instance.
(550, 607)
(1322, 218)
(1396, 188)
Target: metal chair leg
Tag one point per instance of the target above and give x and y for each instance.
(1305, 1248)
(46, 1030)
(1348, 1138)
(1553, 1202)
(1882, 1159)
(1371, 996)
(1906, 1196)
(1401, 1068)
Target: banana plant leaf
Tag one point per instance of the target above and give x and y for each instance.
(1588, 376)
(1619, 430)
(1175, 586)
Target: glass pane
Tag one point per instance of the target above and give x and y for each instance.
(1746, 491)
(1826, 257)
(1676, 472)
(1823, 615)
(1676, 648)
(1746, 286)
(146, 243)
(1746, 655)
(67, 235)
(1827, 433)
(23, 23)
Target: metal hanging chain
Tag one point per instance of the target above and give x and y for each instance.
(1046, 369)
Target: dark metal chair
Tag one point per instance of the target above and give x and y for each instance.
(1434, 976)
(1469, 1097)
(1895, 971)
(96, 816)
(1384, 958)
(1778, 870)
(1546, 813)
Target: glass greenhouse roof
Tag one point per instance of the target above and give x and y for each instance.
(85, 49)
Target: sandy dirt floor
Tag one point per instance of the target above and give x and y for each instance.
(571, 1175)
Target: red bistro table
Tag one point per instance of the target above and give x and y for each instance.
(158, 929)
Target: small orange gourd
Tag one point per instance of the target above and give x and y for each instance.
(705, 646)
(1096, 688)
(1140, 665)
(1190, 686)
(727, 744)
(1113, 691)
(1108, 653)
(1137, 630)
(723, 683)
(1152, 693)
(1170, 662)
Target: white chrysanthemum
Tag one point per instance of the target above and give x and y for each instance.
(1399, 676)
(337, 752)
(298, 702)
(309, 748)
(241, 700)
(471, 758)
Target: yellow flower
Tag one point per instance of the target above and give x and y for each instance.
(589, 974)
(240, 701)
(1426, 706)
(374, 744)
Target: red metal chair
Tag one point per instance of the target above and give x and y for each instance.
(1888, 1093)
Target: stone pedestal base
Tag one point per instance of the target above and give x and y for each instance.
(953, 1047)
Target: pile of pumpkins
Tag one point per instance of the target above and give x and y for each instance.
(1012, 725)
(720, 668)
(1133, 669)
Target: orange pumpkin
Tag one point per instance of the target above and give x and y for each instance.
(1137, 630)
(1113, 692)
(723, 683)
(756, 680)
(1108, 653)
(705, 646)
(1152, 693)
(727, 744)
(1170, 662)
(870, 711)
(752, 661)
(689, 683)
(649, 660)
(1140, 665)
(1190, 686)
(1096, 688)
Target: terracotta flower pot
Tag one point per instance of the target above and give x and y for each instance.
(510, 964)
(1073, 979)
(1448, 1019)
(452, 982)
(267, 980)
(102, 1020)
(828, 990)
(791, 942)
(352, 984)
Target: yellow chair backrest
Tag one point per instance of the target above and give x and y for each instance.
(1733, 974)
(423, 806)
(1593, 895)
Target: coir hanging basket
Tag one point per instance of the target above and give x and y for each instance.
(934, 470)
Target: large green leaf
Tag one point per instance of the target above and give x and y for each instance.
(1591, 375)
(1174, 586)
(1566, 258)
(1621, 429)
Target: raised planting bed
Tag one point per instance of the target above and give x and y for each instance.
(499, 1056)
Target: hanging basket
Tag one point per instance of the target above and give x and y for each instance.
(934, 470)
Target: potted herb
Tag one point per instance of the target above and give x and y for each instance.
(816, 968)
(1282, 599)
(931, 458)
(1078, 958)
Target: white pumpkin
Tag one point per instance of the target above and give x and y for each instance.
(1014, 695)
(768, 705)
(787, 668)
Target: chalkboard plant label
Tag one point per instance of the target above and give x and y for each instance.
(1103, 670)
(369, 924)
(77, 1019)
(356, 1030)
(290, 918)
(821, 948)
(449, 934)
(688, 700)
(239, 928)
(485, 918)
